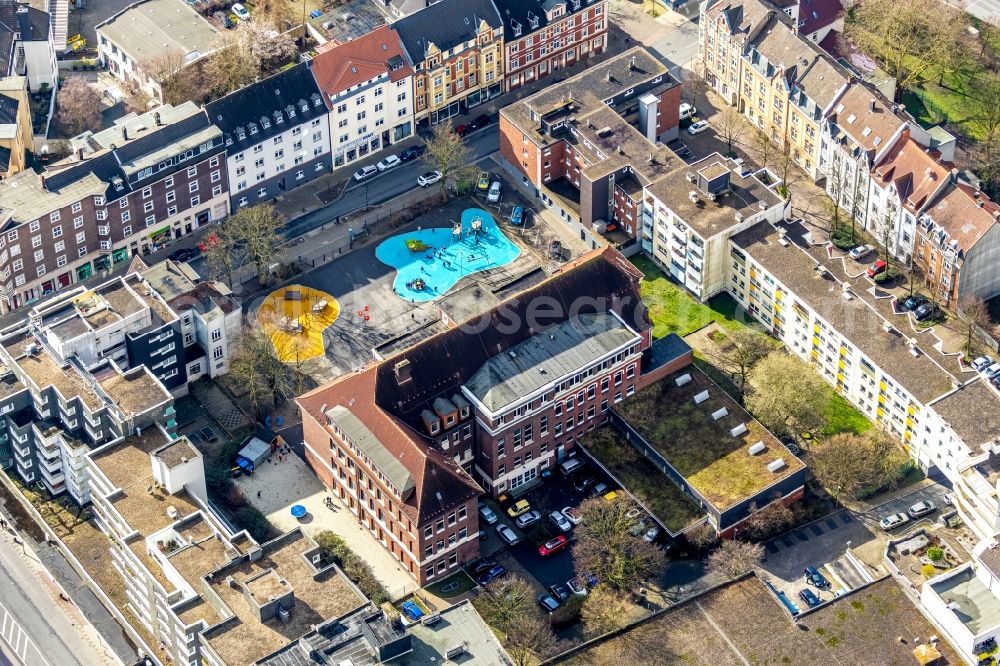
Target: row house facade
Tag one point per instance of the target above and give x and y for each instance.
(456, 50)
(782, 83)
(276, 133)
(368, 87)
(127, 190)
(409, 443)
(903, 184)
(541, 37)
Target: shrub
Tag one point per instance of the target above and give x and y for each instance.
(569, 612)
(844, 239)
(935, 553)
(928, 570)
(356, 569)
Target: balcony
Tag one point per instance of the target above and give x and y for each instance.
(678, 240)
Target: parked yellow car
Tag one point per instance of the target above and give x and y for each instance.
(484, 181)
(520, 506)
(611, 497)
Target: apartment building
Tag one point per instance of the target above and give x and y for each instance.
(368, 87)
(131, 41)
(574, 144)
(16, 132)
(957, 241)
(29, 30)
(690, 214)
(542, 37)
(127, 189)
(903, 184)
(456, 50)
(782, 83)
(856, 135)
(276, 135)
(499, 399)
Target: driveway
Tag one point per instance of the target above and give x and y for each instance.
(277, 485)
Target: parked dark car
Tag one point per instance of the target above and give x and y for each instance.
(224, 19)
(411, 153)
(548, 602)
(809, 597)
(914, 302)
(584, 483)
(183, 254)
(462, 130)
(925, 311)
(814, 577)
(491, 575)
(480, 122)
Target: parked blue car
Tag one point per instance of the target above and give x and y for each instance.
(491, 575)
(809, 597)
(814, 577)
(517, 216)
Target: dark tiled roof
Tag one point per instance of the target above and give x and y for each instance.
(517, 13)
(444, 24)
(4, 158)
(8, 110)
(33, 24)
(6, 50)
(253, 111)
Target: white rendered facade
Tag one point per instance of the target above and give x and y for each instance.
(369, 117)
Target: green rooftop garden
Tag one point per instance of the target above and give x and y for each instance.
(671, 506)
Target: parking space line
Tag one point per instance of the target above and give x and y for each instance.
(831, 523)
(816, 529)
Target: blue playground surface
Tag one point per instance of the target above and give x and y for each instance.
(448, 257)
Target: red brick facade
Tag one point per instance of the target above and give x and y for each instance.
(564, 41)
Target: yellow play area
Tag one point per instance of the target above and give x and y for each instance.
(294, 317)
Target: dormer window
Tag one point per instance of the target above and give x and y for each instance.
(516, 27)
(305, 107)
(464, 413)
(253, 130)
(317, 101)
(241, 135)
(533, 21)
(435, 427)
(290, 111)
(575, 3)
(279, 119)
(265, 123)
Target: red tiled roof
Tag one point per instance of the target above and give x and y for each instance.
(817, 14)
(354, 62)
(964, 213)
(916, 174)
(440, 364)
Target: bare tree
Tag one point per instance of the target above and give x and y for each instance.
(701, 535)
(731, 127)
(974, 313)
(529, 639)
(764, 523)
(910, 42)
(984, 120)
(267, 45)
(179, 82)
(734, 558)
(255, 229)
(604, 611)
(246, 54)
(764, 147)
(448, 154)
(694, 87)
(256, 365)
(274, 12)
(506, 599)
(606, 546)
(847, 464)
(784, 394)
(223, 253)
(738, 350)
(79, 106)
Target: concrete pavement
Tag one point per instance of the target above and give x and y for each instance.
(37, 626)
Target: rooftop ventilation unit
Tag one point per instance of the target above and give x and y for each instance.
(604, 132)
(887, 327)
(739, 216)
(775, 465)
(738, 430)
(172, 512)
(719, 413)
(757, 449)
(454, 651)
(691, 177)
(683, 379)
(431, 620)
(781, 239)
(701, 397)
(284, 615)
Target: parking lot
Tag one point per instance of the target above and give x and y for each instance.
(554, 493)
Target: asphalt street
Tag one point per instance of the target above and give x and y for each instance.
(385, 186)
(35, 626)
(679, 46)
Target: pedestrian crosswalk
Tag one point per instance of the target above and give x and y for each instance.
(20, 645)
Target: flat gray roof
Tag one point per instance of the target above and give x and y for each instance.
(460, 624)
(372, 446)
(146, 29)
(973, 412)
(544, 357)
(978, 608)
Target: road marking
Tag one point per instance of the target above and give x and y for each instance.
(23, 640)
(721, 633)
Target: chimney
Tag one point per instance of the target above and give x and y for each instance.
(156, 117)
(79, 154)
(631, 63)
(124, 132)
(873, 105)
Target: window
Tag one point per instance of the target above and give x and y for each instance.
(216, 334)
(60, 246)
(34, 226)
(217, 353)
(54, 216)
(193, 187)
(147, 207)
(192, 171)
(195, 201)
(81, 237)
(126, 216)
(78, 222)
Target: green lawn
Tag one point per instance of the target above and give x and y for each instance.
(673, 310)
(932, 104)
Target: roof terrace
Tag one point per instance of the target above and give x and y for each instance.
(692, 426)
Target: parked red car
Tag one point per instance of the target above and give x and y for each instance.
(876, 268)
(462, 130)
(553, 546)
